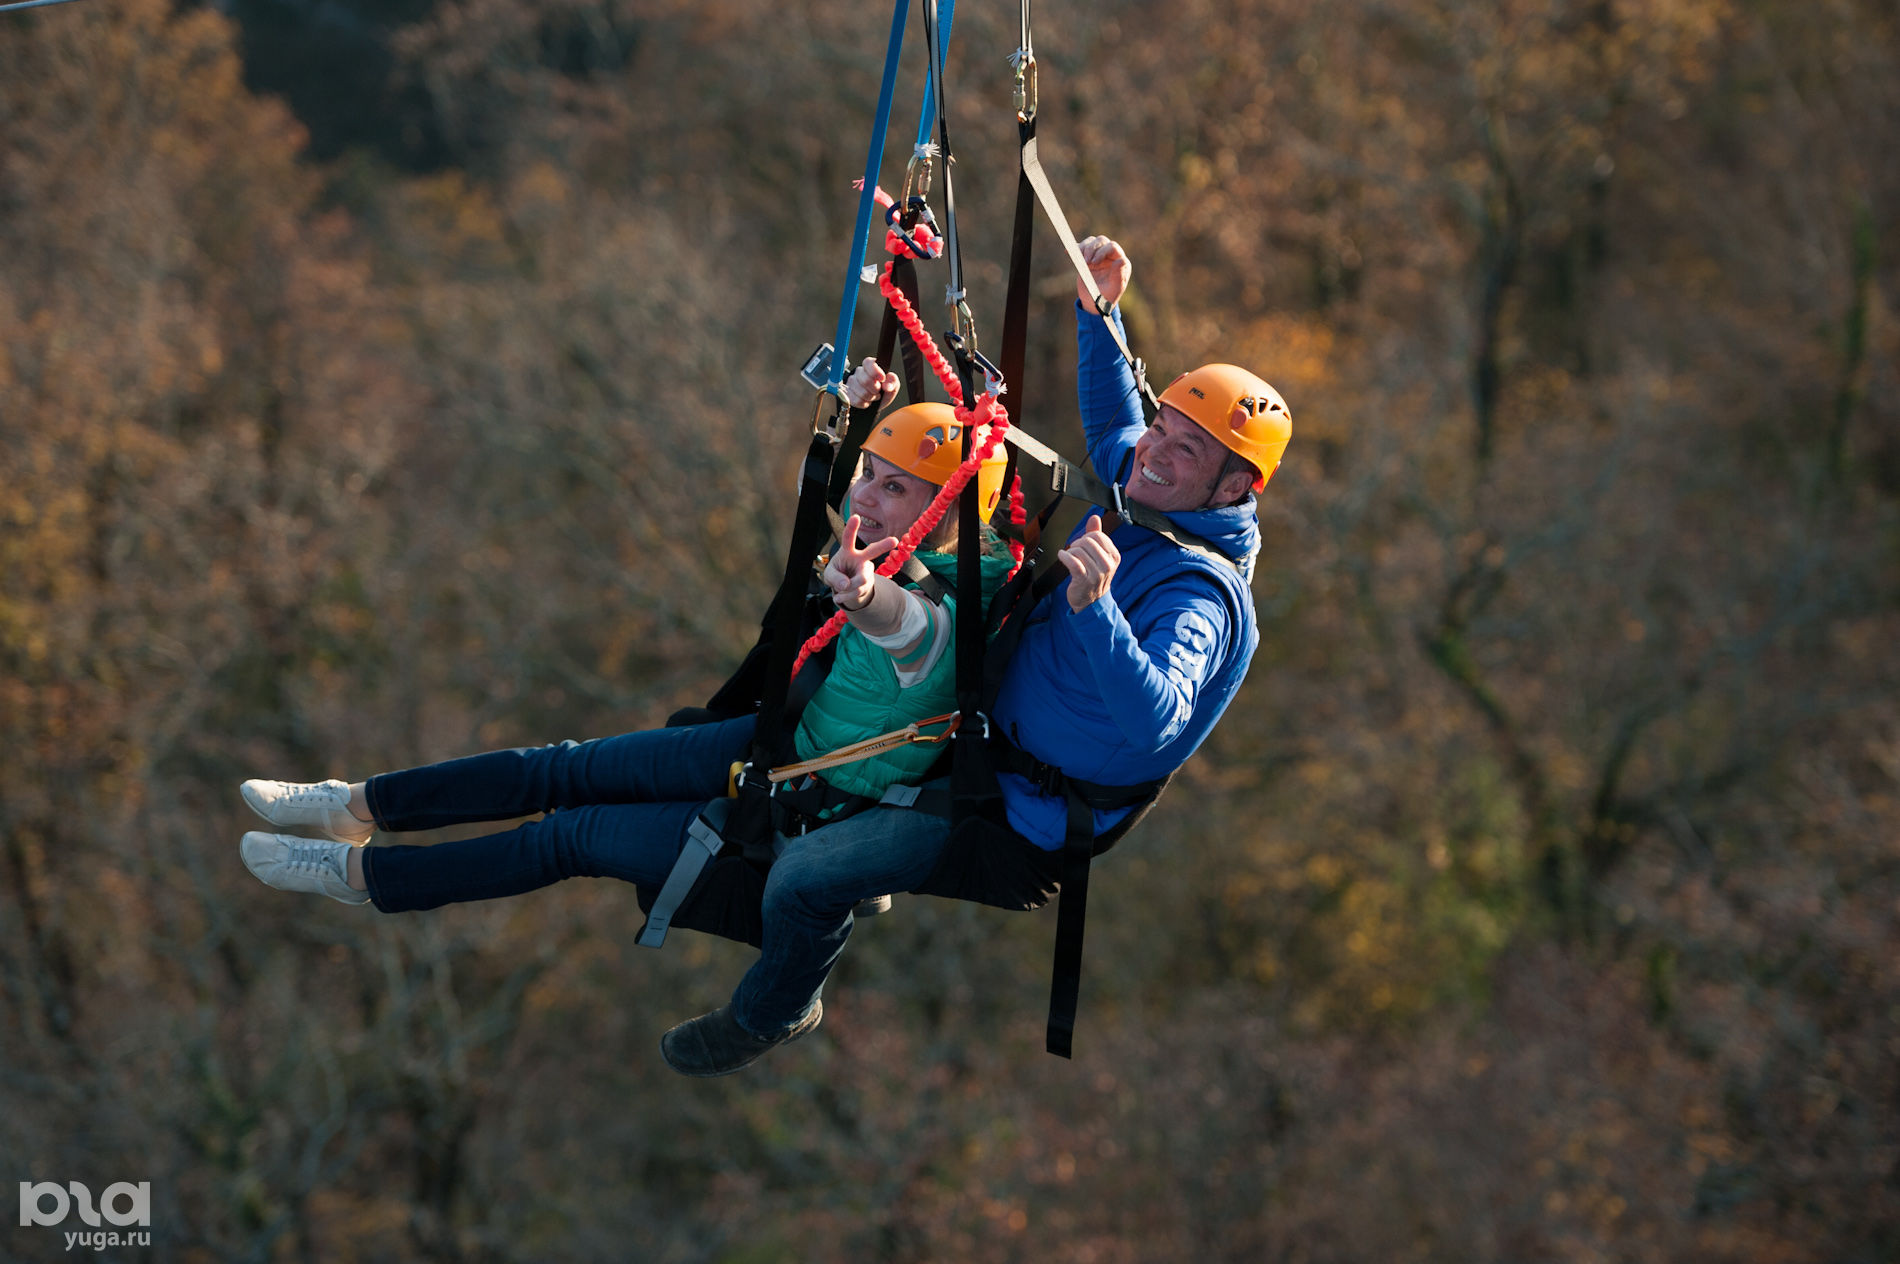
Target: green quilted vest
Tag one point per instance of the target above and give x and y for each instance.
(861, 699)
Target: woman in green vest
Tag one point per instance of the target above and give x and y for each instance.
(620, 807)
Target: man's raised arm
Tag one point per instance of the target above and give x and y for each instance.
(1105, 385)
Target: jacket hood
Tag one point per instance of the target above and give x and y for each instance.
(1233, 529)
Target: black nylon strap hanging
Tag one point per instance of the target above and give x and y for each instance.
(979, 670)
(904, 274)
(952, 253)
(808, 529)
(1016, 296)
(1065, 983)
(972, 782)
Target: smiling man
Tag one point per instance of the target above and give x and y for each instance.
(1123, 671)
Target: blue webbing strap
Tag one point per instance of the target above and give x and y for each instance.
(952, 253)
(873, 163)
(928, 120)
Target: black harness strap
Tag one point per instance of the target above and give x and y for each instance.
(1080, 846)
(845, 466)
(1016, 296)
(904, 275)
(1065, 981)
(784, 615)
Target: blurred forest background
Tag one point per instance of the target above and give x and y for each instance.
(384, 381)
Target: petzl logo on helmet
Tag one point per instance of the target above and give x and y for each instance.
(1197, 392)
(74, 1196)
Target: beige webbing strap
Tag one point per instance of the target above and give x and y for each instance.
(909, 735)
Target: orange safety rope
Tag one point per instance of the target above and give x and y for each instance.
(914, 324)
(930, 246)
(988, 412)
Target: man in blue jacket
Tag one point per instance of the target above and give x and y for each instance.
(1122, 681)
(1120, 674)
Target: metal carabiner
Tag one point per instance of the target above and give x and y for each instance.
(966, 323)
(992, 376)
(922, 207)
(1024, 63)
(917, 174)
(839, 407)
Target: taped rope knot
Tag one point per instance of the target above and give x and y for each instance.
(921, 242)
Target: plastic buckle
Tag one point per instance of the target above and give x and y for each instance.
(743, 776)
(817, 367)
(1048, 779)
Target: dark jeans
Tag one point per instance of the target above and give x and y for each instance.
(618, 807)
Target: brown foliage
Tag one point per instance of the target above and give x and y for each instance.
(1536, 901)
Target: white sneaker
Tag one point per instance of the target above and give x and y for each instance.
(324, 804)
(301, 864)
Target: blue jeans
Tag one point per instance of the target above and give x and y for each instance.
(809, 893)
(618, 807)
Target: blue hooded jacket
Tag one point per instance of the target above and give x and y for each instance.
(1125, 689)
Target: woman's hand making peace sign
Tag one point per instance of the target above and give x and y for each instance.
(852, 571)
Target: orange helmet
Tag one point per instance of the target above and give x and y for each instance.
(1238, 409)
(927, 440)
